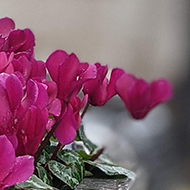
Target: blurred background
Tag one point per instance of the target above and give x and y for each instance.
(147, 38)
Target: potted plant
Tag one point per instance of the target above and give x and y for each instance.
(42, 107)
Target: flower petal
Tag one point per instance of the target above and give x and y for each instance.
(55, 107)
(16, 40)
(22, 170)
(29, 41)
(3, 61)
(6, 26)
(161, 91)
(7, 158)
(14, 91)
(31, 130)
(67, 77)
(66, 130)
(54, 61)
(5, 113)
(139, 97)
(123, 84)
(115, 75)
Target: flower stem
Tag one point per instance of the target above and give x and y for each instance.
(58, 147)
(85, 110)
(44, 142)
(97, 154)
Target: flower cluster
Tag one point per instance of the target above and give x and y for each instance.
(40, 98)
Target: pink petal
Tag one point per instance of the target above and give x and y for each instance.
(16, 40)
(36, 95)
(100, 96)
(66, 130)
(29, 40)
(90, 72)
(5, 113)
(7, 158)
(23, 65)
(115, 75)
(139, 97)
(3, 78)
(6, 25)
(31, 130)
(123, 84)
(2, 42)
(50, 124)
(161, 91)
(55, 107)
(14, 91)
(51, 90)
(42, 97)
(23, 169)
(3, 61)
(38, 69)
(67, 76)
(14, 141)
(9, 69)
(54, 61)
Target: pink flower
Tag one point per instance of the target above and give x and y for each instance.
(11, 94)
(68, 73)
(6, 26)
(21, 42)
(13, 170)
(69, 121)
(100, 89)
(139, 96)
(31, 118)
(23, 113)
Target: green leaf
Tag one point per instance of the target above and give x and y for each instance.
(103, 158)
(34, 183)
(44, 157)
(112, 170)
(42, 173)
(73, 159)
(84, 155)
(81, 135)
(53, 139)
(64, 173)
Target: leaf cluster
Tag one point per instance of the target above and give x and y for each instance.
(71, 166)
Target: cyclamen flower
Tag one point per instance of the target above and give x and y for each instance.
(13, 170)
(139, 96)
(70, 121)
(100, 89)
(21, 42)
(68, 73)
(23, 117)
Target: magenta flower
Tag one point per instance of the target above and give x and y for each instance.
(100, 89)
(23, 116)
(139, 96)
(21, 42)
(69, 121)
(11, 94)
(32, 117)
(6, 26)
(13, 170)
(68, 73)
